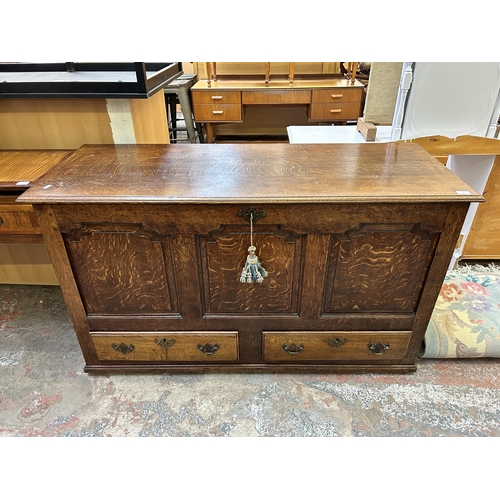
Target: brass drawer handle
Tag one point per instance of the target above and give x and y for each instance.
(216, 97)
(293, 348)
(335, 111)
(164, 343)
(336, 342)
(208, 348)
(378, 348)
(123, 348)
(217, 112)
(337, 96)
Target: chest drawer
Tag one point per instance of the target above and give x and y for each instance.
(334, 111)
(336, 95)
(334, 346)
(18, 219)
(202, 347)
(216, 97)
(217, 112)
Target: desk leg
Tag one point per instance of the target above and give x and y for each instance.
(186, 111)
(210, 133)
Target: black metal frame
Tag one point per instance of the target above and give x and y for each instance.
(142, 88)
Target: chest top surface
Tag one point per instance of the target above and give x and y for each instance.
(242, 173)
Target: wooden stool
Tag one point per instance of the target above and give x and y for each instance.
(179, 90)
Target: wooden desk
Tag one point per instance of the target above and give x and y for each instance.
(326, 100)
(19, 262)
(149, 242)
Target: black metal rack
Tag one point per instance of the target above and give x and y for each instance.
(136, 80)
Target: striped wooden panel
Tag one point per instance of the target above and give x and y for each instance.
(23, 166)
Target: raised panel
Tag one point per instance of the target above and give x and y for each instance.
(378, 268)
(122, 269)
(222, 256)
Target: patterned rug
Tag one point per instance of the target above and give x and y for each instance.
(465, 322)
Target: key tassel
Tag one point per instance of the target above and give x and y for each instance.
(252, 271)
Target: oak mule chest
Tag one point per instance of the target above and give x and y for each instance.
(150, 244)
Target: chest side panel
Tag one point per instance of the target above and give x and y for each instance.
(122, 269)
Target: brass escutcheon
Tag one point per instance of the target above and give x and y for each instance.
(123, 348)
(336, 342)
(252, 212)
(164, 343)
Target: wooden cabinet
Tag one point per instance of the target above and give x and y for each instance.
(326, 99)
(149, 242)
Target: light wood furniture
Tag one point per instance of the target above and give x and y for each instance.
(326, 100)
(483, 240)
(69, 123)
(23, 257)
(149, 241)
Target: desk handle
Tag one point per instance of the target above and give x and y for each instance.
(215, 97)
(217, 112)
(337, 96)
(335, 111)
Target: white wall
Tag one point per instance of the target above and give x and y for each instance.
(452, 99)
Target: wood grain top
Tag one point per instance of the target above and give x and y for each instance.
(20, 168)
(276, 84)
(245, 173)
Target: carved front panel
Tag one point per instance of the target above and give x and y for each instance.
(222, 256)
(122, 269)
(378, 268)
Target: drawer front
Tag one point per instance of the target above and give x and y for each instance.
(217, 113)
(337, 95)
(216, 97)
(18, 219)
(276, 97)
(334, 111)
(332, 346)
(201, 347)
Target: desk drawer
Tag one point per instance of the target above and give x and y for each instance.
(337, 95)
(199, 347)
(276, 97)
(216, 97)
(18, 219)
(332, 346)
(217, 112)
(334, 111)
